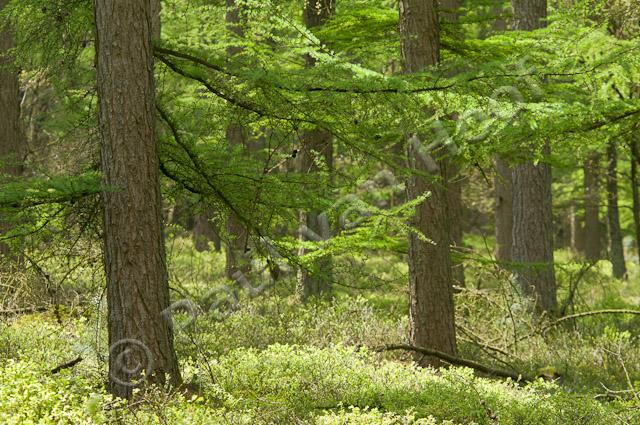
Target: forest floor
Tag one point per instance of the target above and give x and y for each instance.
(270, 359)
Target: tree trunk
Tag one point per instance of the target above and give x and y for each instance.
(431, 311)
(140, 336)
(576, 232)
(503, 210)
(635, 158)
(532, 233)
(448, 11)
(204, 231)
(11, 136)
(616, 252)
(238, 265)
(316, 280)
(529, 15)
(593, 247)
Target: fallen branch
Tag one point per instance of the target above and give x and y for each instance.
(37, 309)
(516, 376)
(66, 365)
(586, 314)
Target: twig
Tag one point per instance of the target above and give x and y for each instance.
(516, 376)
(66, 365)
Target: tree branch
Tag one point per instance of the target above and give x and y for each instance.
(516, 376)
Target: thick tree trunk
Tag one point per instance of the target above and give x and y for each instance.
(316, 280)
(616, 252)
(140, 334)
(448, 11)
(532, 233)
(593, 247)
(503, 210)
(11, 135)
(431, 311)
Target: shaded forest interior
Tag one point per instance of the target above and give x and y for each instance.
(319, 212)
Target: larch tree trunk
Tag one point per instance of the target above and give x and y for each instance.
(448, 12)
(576, 233)
(238, 265)
(635, 158)
(532, 250)
(592, 245)
(503, 214)
(12, 142)
(140, 332)
(316, 144)
(616, 252)
(431, 310)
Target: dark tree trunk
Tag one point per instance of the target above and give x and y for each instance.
(503, 210)
(11, 136)
(532, 233)
(635, 158)
(431, 311)
(316, 280)
(593, 247)
(616, 252)
(140, 334)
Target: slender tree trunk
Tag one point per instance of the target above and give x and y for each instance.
(11, 135)
(532, 214)
(576, 232)
(635, 158)
(616, 252)
(593, 247)
(316, 280)
(503, 210)
(140, 336)
(431, 311)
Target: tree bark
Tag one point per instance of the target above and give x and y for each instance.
(503, 210)
(12, 142)
(448, 11)
(635, 158)
(593, 247)
(532, 250)
(431, 311)
(616, 252)
(529, 15)
(532, 233)
(317, 279)
(140, 334)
